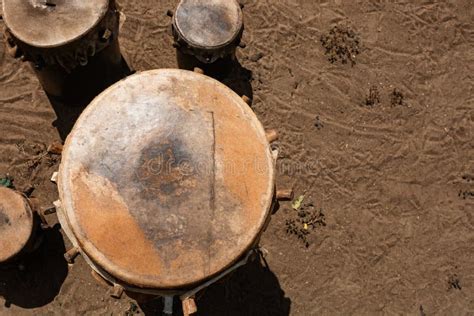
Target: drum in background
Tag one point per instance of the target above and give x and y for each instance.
(19, 226)
(166, 184)
(207, 33)
(72, 45)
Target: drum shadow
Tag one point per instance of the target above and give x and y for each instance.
(36, 280)
(69, 109)
(67, 113)
(153, 307)
(228, 71)
(239, 79)
(252, 290)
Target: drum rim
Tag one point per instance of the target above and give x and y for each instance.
(85, 31)
(110, 267)
(29, 210)
(190, 42)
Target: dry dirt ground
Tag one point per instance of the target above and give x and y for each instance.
(383, 146)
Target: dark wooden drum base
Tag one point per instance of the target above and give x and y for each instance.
(84, 82)
(206, 34)
(20, 226)
(219, 69)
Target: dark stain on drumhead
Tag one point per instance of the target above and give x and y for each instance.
(47, 4)
(166, 189)
(170, 200)
(49, 23)
(36, 9)
(161, 170)
(4, 219)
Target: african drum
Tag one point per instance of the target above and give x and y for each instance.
(206, 32)
(166, 183)
(72, 45)
(18, 226)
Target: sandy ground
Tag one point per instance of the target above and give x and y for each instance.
(393, 175)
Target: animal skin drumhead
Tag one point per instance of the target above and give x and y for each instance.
(52, 23)
(166, 179)
(208, 24)
(16, 223)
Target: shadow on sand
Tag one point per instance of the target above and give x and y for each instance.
(228, 71)
(239, 79)
(69, 109)
(252, 290)
(34, 281)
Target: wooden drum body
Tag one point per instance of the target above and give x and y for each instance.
(72, 45)
(19, 226)
(207, 33)
(166, 182)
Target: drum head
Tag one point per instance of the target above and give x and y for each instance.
(208, 24)
(52, 23)
(16, 223)
(166, 179)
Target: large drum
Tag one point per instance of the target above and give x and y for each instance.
(18, 226)
(72, 45)
(207, 32)
(166, 183)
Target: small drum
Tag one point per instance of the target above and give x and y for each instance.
(207, 32)
(72, 45)
(18, 226)
(166, 183)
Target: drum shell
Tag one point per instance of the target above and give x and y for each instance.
(34, 240)
(203, 95)
(220, 68)
(213, 60)
(101, 71)
(81, 68)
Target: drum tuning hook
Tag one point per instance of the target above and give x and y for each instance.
(189, 306)
(247, 100)
(198, 70)
(71, 255)
(117, 291)
(42, 215)
(105, 35)
(54, 177)
(285, 194)
(272, 135)
(12, 49)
